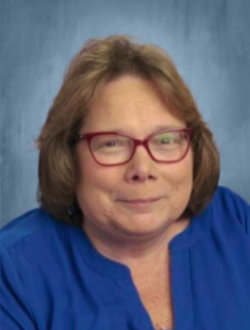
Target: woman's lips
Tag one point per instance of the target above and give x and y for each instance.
(139, 203)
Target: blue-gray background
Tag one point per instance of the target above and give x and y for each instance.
(208, 39)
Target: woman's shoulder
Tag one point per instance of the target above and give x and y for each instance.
(31, 232)
(36, 243)
(227, 198)
(231, 206)
(23, 226)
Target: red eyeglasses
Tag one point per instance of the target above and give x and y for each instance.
(111, 148)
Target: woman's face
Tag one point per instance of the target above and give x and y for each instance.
(133, 106)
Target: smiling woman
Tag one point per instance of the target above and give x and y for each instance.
(133, 231)
(145, 195)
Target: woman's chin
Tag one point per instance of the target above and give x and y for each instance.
(143, 224)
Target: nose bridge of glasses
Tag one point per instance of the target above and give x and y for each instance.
(143, 144)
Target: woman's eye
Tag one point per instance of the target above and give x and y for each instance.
(110, 144)
(166, 139)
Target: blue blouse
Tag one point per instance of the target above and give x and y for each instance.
(53, 278)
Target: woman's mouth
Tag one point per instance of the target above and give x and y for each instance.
(139, 203)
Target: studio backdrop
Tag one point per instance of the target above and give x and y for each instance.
(208, 40)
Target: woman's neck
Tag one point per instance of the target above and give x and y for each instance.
(135, 252)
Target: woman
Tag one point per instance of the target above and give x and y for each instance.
(132, 232)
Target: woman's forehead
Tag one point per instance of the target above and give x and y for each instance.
(129, 102)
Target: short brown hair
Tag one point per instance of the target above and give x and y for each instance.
(99, 61)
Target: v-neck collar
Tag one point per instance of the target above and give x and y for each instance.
(198, 227)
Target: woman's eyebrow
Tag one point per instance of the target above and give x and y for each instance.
(129, 131)
(156, 129)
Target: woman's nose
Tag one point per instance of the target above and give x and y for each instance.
(141, 167)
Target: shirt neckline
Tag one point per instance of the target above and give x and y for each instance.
(198, 227)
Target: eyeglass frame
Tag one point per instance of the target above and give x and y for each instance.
(136, 142)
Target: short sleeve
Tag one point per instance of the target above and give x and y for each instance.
(15, 312)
